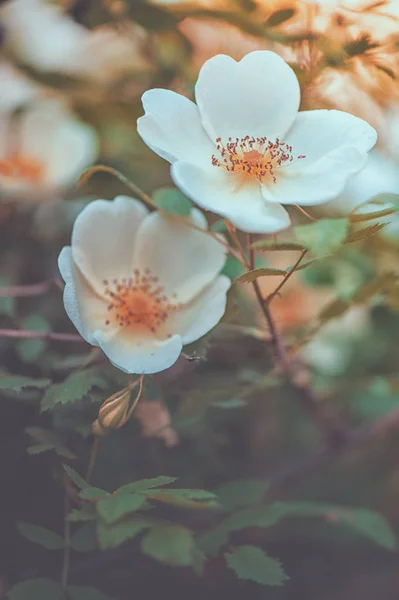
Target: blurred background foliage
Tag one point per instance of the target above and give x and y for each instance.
(244, 465)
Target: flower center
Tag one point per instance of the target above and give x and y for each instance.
(138, 301)
(252, 157)
(18, 166)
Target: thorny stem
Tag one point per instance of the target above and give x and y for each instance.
(67, 547)
(41, 335)
(296, 373)
(286, 278)
(93, 457)
(19, 291)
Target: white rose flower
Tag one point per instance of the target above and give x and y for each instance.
(141, 285)
(43, 150)
(244, 150)
(41, 34)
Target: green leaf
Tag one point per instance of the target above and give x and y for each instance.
(169, 544)
(361, 217)
(76, 478)
(219, 226)
(41, 535)
(145, 484)
(362, 520)
(84, 539)
(276, 246)
(236, 494)
(255, 273)
(73, 388)
(36, 589)
(111, 536)
(85, 592)
(250, 562)
(173, 201)
(322, 237)
(47, 440)
(376, 401)
(333, 309)
(185, 498)
(366, 232)
(232, 268)
(116, 506)
(381, 283)
(93, 493)
(16, 383)
(86, 513)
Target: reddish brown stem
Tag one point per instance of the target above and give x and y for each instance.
(20, 291)
(40, 335)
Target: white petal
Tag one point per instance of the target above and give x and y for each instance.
(221, 193)
(184, 259)
(104, 237)
(319, 182)
(258, 96)
(316, 133)
(85, 309)
(172, 127)
(139, 356)
(203, 313)
(379, 176)
(52, 135)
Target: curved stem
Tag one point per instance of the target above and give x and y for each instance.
(40, 335)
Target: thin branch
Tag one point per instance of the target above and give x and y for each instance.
(40, 335)
(93, 457)
(20, 291)
(67, 547)
(286, 278)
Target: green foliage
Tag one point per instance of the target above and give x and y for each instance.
(37, 589)
(376, 401)
(112, 536)
(250, 562)
(93, 493)
(232, 268)
(145, 484)
(74, 388)
(170, 544)
(219, 226)
(236, 494)
(84, 539)
(185, 498)
(16, 383)
(116, 506)
(84, 592)
(86, 513)
(255, 273)
(40, 535)
(322, 237)
(272, 246)
(75, 477)
(47, 440)
(173, 201)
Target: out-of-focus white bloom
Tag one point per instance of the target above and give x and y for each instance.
(43, 150)
(154, 419)
(379, 176)
(332, 348)
(40, 34)
(244, 150)
(16, 90)
(141, 285)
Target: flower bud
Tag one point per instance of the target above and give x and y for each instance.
(113, 413)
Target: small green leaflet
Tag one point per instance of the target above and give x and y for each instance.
(172, 201)
(84, 539)
(255, 273)
(40, 535)
(40, 589)
(145, 484)
(46, 440)
(16, 383)
(73, 388)
(322, 237)
(170, 544)
(236, 494)
(116, 506)
(251, 562)
(111, 536)
(75, 477)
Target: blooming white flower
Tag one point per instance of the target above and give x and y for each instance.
(41, 34)
(16, 89)
(244, 150)
(141, 285)
(379, 176)
(43, 150)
